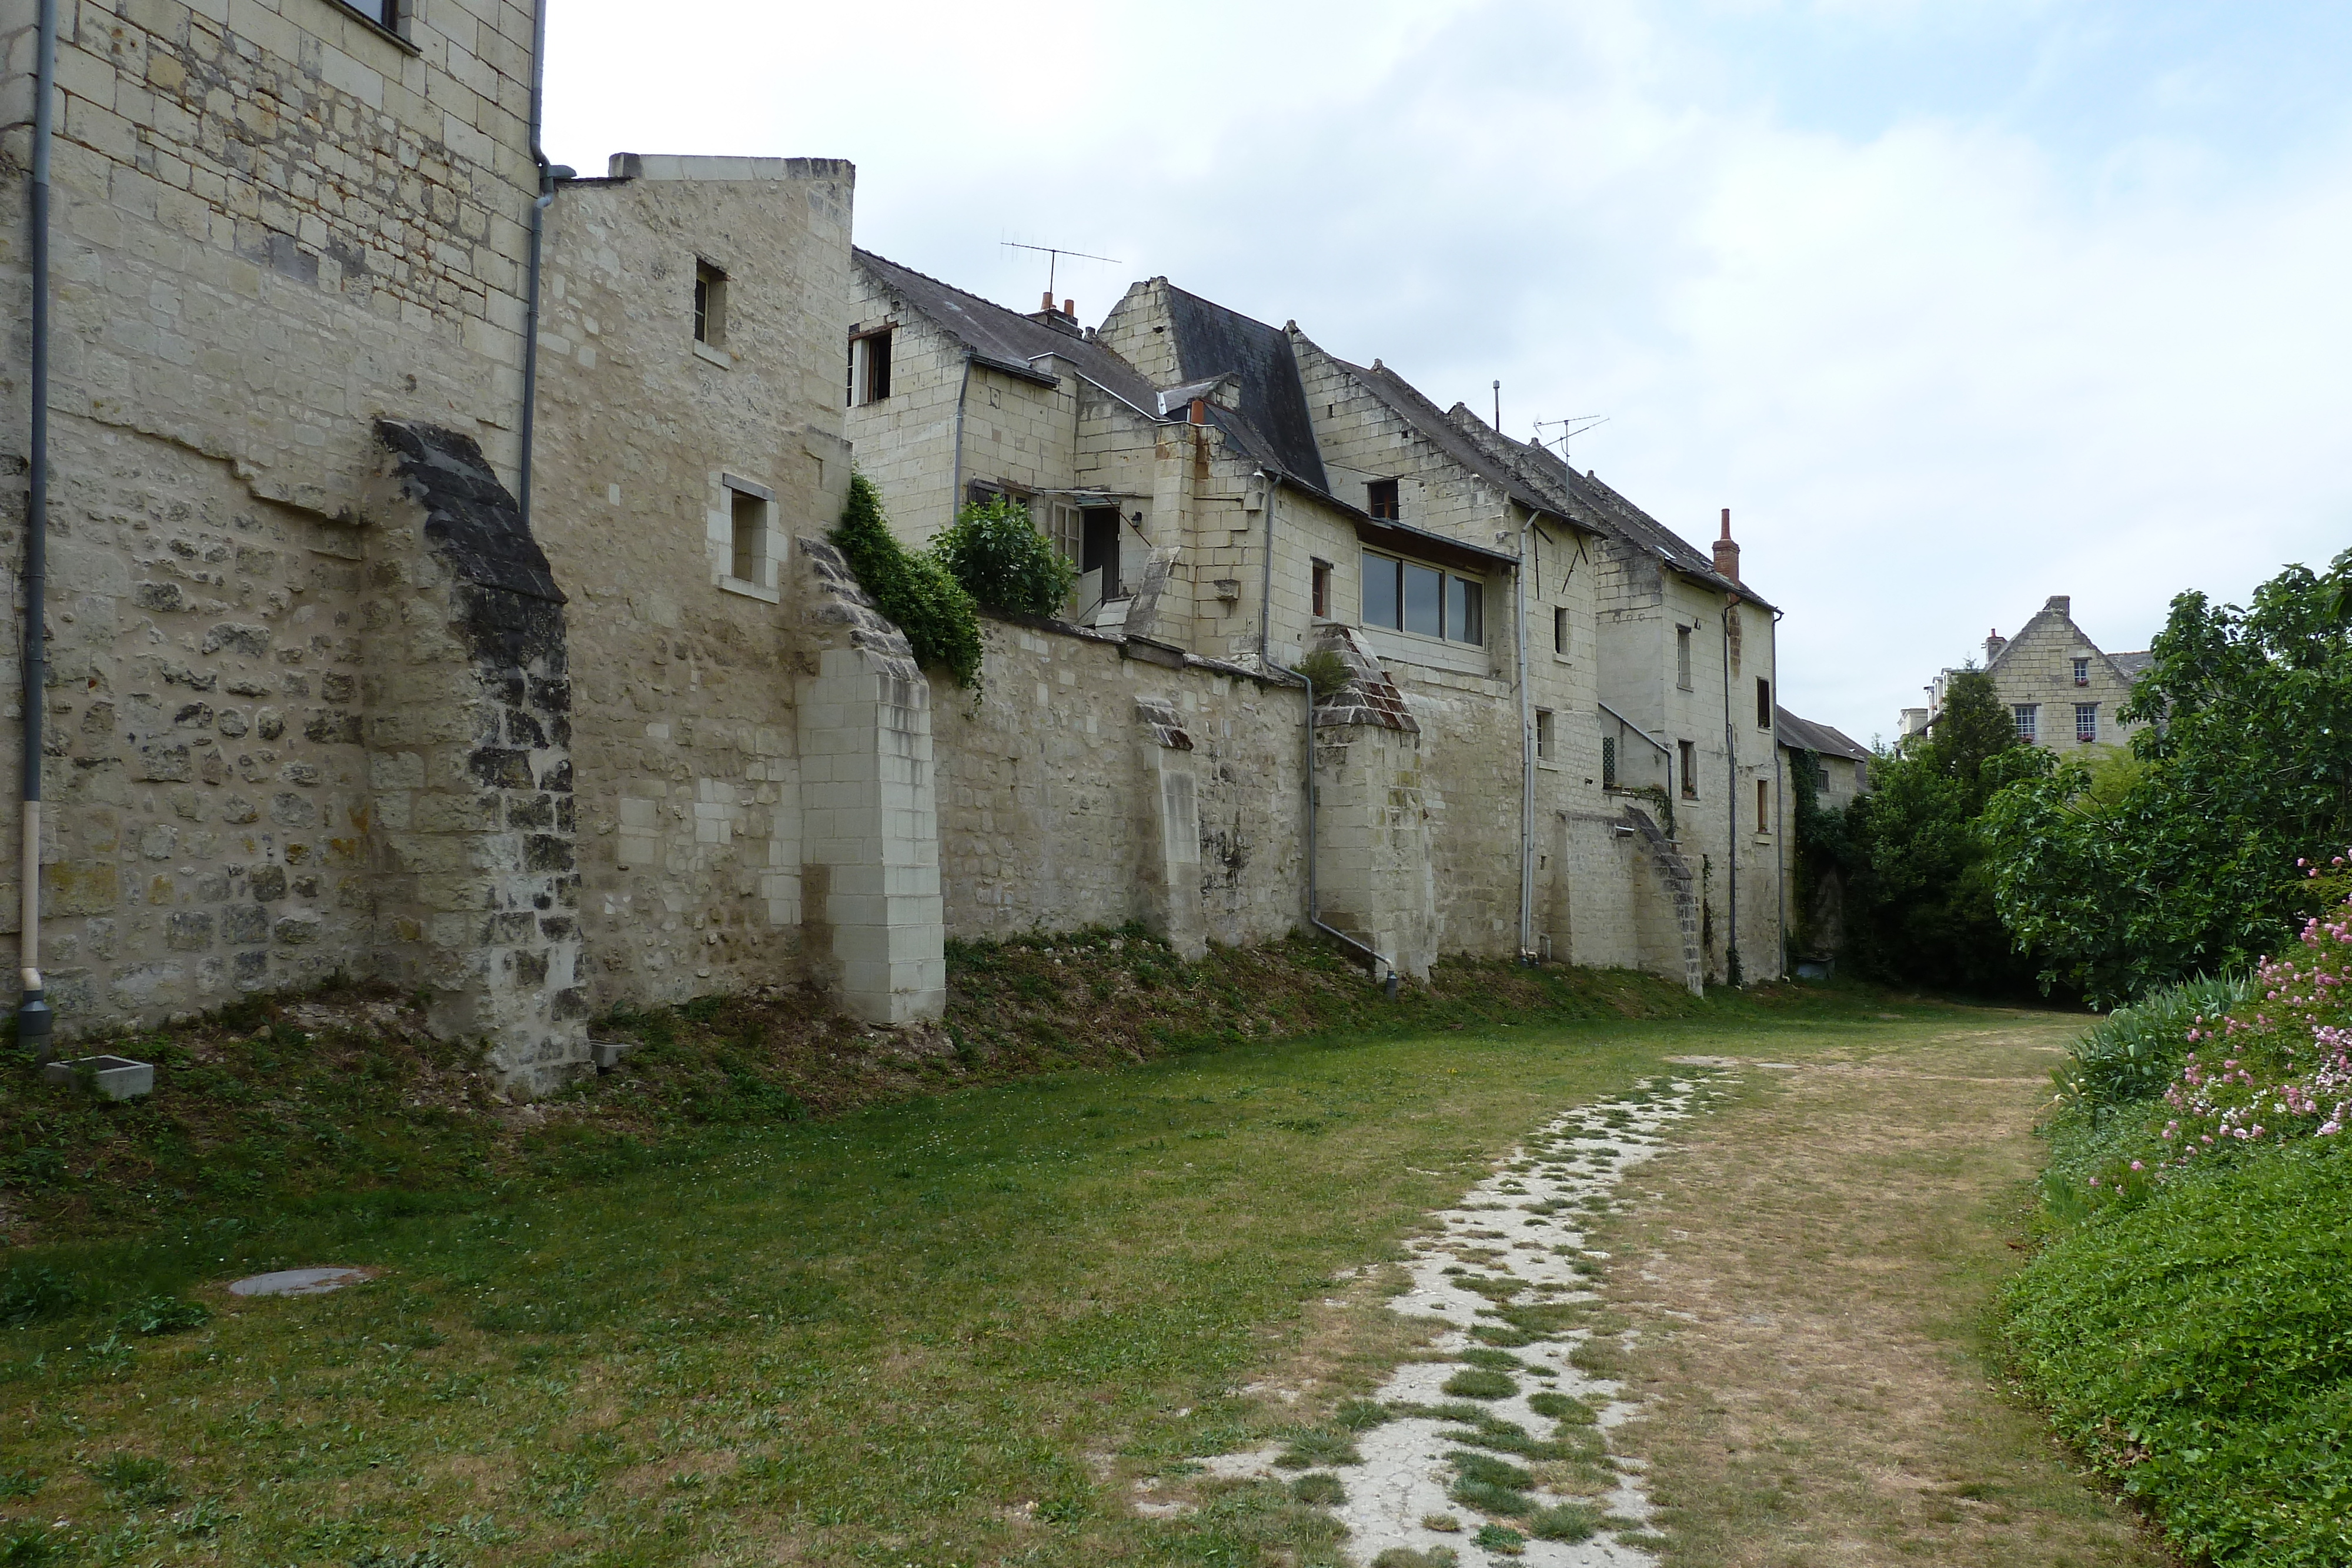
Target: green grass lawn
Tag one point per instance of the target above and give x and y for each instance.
(920, 1334)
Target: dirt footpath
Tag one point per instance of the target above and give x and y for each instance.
(1809, 1268)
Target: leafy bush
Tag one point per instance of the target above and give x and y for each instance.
(2133, 1053)
(2198, 1348)
(914, 591)
(996, 553)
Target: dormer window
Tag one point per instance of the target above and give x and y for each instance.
(1380, 499)
(709, 305)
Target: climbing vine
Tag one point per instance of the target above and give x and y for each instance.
(915, 589)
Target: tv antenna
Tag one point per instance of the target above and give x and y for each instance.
(1573, 426)
(1054, 254)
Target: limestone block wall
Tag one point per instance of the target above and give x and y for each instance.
(2036, 668)
(1056, 809)
(1362, 439)
(687, 679)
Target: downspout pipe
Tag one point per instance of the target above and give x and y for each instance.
(547, 175)
(955, 470)
(1265, 593)
(1779, 796)
(1526, 754)
(1314, 902)
(1731, 971)
(34, 1020)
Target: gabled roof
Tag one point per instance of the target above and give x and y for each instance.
(1406, 400)
(1804, 735)
(1004, 338)
(2126, 666)
(1212, 341)
(2131, 665)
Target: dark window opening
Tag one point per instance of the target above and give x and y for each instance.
(1763, 703)
(1100, 549)
(1380, 499)
(869, 368)
(1560, 630)
(1687, 753)
(1543, 735)
(384, 13)
(1763, 806)
(1322, 590)
(1683, 657)
(750, 542)
(1608, 762)
(709, 305)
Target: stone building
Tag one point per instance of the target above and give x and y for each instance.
(1839, 767)
(2061, 692)
(330, 688)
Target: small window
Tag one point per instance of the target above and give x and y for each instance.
(1559, 629)
(709, 305)
(2086, 721)
(749, 530)
(1608, 762)
(1763, 806)
(869, 368)
(1687, 754)
(1682, 657)
(1380, 499)
(384, 13)
(1763, 703)
(2029, 717)
(1543, 735)
(1322, 590)
(2082, 672)
(1066, 528)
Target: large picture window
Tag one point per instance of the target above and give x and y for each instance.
(1406, 596)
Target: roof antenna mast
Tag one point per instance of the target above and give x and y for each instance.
(1053, 256)
(1573, 426)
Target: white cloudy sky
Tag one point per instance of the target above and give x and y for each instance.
(1956, 306)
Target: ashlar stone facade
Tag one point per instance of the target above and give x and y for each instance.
(2061, 692)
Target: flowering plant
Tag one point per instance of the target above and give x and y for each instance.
(2277, 1067)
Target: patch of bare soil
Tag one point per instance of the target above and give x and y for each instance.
(1809, 1270)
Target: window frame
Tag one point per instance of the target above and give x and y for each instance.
(1447, 580)
(1561, 631)
(1318, 588)
(1683, 658)
(1687, 764)
(767, 567)
(1763, 806)
(1763, 703)
(2082, 672)
(1546, 738)
(862, 392)
(710, 303)
(2087, 723)
(393, 26)
(1385, 492)
(2027, 718)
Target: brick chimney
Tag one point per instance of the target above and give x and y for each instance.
(2062, 603)
(1726, 552)
(1994, 643)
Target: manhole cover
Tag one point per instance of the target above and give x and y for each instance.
(298, 1282)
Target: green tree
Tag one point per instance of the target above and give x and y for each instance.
(2129, 878)
(1920, 906)
(996, 552)
(913, 590)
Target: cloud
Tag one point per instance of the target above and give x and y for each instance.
(1956, 309)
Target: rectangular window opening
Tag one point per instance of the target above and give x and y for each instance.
(869, 368)
(2086, 721)
(749, 558)
(2082, 672)
(1405, 596)
(1559, 629)
(1763, 703)
(1380, 499)
(1608, 762)
(709, 305)
(1466, 610)
(1102, 548)
(1687, 754)
(1065, 530)
(1543, 735)
(1322, 570)
(384, 13)
(1763, 806)
(2028, 716)
(1683, 657)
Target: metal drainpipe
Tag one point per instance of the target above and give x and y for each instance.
(1731, 802)
(1314, 901)
(1266, 587)
(539, 204)
(1526, 752)
(1780, 795)
(33, 1017)
(955, 473)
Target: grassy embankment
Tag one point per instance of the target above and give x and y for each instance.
(677, 1318)
(2189, 1324)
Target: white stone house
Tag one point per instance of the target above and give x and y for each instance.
(2061, 692)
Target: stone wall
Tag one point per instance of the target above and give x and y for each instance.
(2036, 669)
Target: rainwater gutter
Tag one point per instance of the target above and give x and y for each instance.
(35, 1018)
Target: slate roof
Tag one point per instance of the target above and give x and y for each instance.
(1537, 479)
(1211, 341)
(2131, 665)
(1804, 735)
(1004, 338)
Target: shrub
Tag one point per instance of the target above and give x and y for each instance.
(914, 591)
(1326, 670)
(996, 553)
(2133, 1053)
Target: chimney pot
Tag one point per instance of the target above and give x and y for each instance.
(1199, 411)
(1727, 551)
(1070, 308)
(2061, 603)
(1994, 643)
(1048, 306)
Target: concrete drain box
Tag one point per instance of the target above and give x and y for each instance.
(116, 1077)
